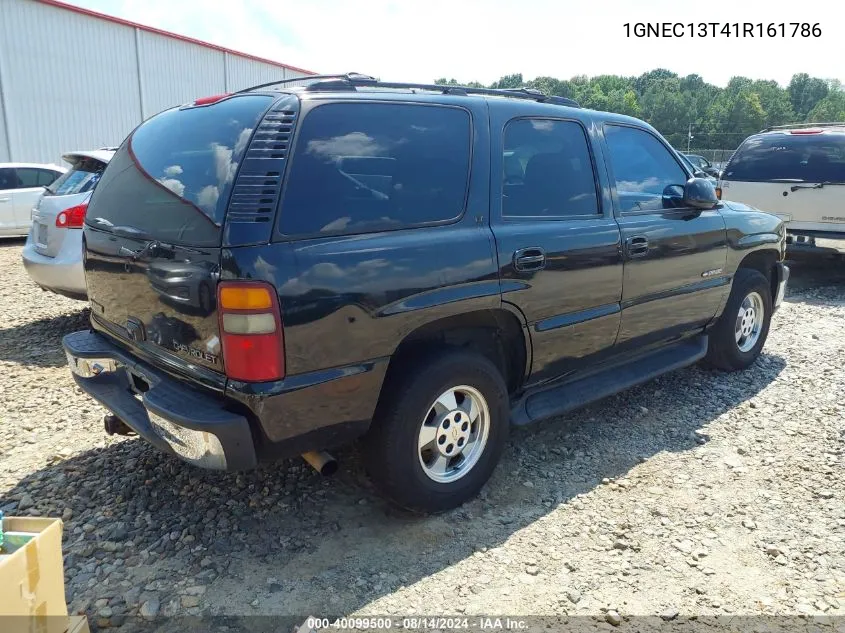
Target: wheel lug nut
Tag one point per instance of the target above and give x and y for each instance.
(457, 417)
(445, 424)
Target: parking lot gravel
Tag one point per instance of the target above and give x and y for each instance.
(699, 493)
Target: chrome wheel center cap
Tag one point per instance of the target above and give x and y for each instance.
(453, 433)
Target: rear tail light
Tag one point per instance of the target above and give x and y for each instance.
(72, 218)
(251, 331)
(719, 193)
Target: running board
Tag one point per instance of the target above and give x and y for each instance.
(583, 390)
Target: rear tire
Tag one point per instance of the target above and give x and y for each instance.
(740, 333)
(429, 451)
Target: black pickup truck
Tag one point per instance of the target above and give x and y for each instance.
(284, 270)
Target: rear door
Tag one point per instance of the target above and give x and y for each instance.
(557, 241)
(675, 256)
(799, 175)
(154, 228)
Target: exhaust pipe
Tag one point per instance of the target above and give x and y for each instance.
(321, 461)
(115, 426)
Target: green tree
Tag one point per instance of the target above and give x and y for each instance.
(509, 81)
(831, 108)
(720, 117)
(805, 92)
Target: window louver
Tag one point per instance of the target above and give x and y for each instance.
(256, 191)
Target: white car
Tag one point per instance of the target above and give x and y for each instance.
(796, 172)
(21, 184)
(52, 254)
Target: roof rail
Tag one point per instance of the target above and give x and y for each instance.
(792, 126)
(342, 77)
(354, 80)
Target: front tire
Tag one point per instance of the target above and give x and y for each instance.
(438, 431)
(740, 333)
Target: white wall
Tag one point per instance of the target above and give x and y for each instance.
(70, 81)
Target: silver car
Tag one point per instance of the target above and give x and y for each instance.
(53, 252)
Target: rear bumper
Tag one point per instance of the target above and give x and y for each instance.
(62, 274)
(820, 242)
(184, 422)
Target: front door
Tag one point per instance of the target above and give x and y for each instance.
(557, 240)
(675, 256)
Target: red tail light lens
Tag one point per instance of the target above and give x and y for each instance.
(72, 218)
(210, 100)
(251, 331)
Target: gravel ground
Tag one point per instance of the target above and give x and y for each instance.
(699, 493)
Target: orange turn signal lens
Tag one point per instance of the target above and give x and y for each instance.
(245, 298)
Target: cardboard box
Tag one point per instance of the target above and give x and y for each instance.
(32, 578)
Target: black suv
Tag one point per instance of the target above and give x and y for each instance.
(421, 266)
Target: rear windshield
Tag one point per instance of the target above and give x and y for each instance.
(172, 177)
(80, 179)
(800, 157)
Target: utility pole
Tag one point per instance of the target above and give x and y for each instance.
(689, 137)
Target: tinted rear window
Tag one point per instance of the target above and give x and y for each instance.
(80, 179)
(807, 157)
(172, 177)
(366, 166)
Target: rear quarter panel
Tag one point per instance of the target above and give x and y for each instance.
(348, 301)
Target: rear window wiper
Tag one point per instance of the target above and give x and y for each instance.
(817, 185)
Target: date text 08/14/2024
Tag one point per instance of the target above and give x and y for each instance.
(313, 624)
(722, 29)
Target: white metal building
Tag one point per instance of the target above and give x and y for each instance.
(74, 79)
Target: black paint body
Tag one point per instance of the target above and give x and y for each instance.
(349, 301)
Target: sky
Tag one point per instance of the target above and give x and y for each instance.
(481, 40)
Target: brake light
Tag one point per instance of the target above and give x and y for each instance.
(251, 331)
(809, 130)
(210, 100)
(73, 217)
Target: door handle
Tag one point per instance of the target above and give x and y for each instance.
(636, 246)
(529, 259)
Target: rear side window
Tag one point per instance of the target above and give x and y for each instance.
(80, 179)
(803, 157)
(29, 177)
(643, 167)
(368, 166)
(547, 170)
(172, 177)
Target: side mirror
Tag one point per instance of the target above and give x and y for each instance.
(700, 194)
